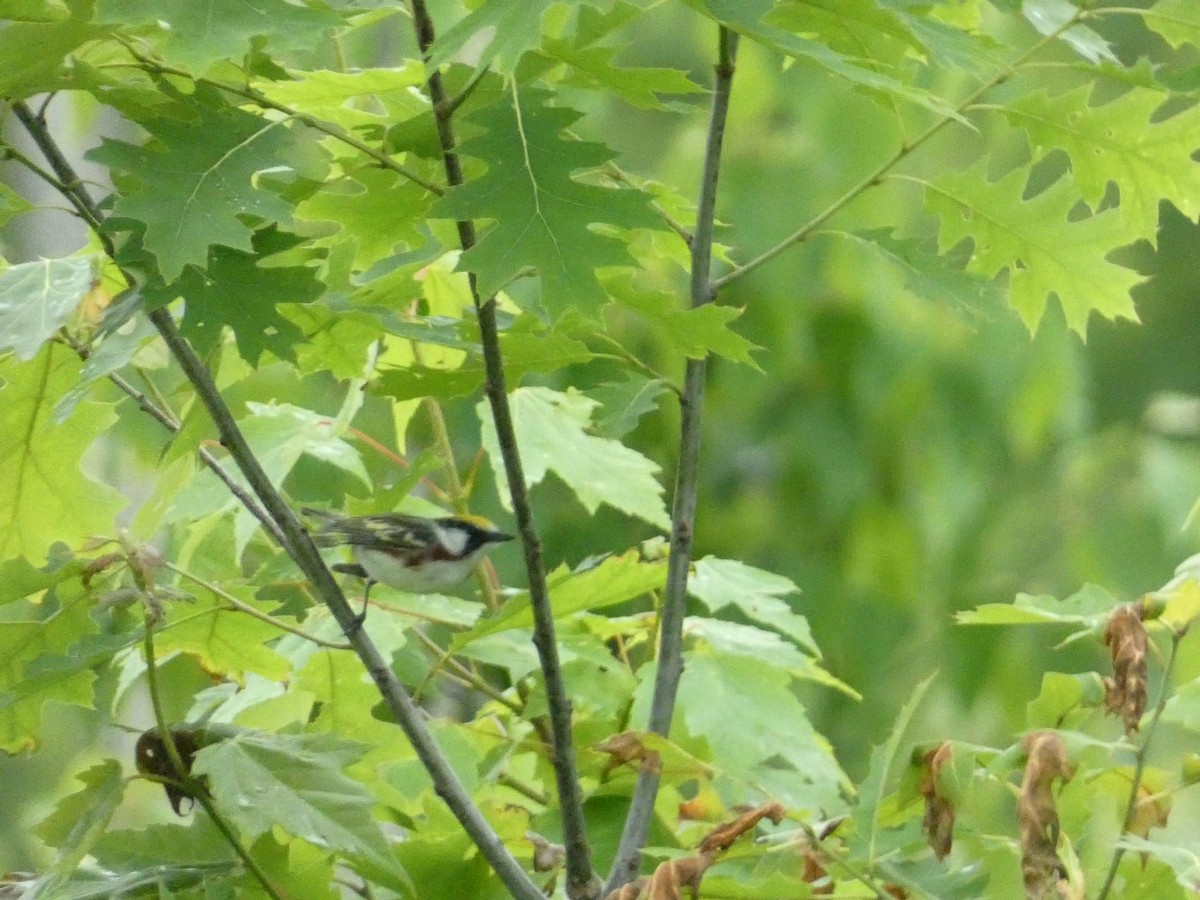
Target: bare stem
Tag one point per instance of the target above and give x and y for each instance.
(303, 551)
(582, 883)
(1139, 769)
(683, 515)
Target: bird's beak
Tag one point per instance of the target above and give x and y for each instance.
(499, 537)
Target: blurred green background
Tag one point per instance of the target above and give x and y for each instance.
(899, 459)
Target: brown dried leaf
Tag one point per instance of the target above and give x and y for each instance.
(721, 837)
(631, 891)
(1125, 637)
(627, 747)
(1037, 814)
(939, 810)
(546, 856)
(671, 877)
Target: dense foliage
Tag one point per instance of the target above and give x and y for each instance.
(305, 239)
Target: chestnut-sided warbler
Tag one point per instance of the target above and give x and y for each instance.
(411, 553)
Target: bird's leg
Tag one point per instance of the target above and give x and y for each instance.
(359, 572)
(361, 618)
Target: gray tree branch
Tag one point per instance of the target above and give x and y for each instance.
(683, 514)
(582, 882)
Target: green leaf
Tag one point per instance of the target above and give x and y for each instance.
(376, 209)
(1043, 250)
(38, 298)
(757, 643)
(225, 641)
(887, 760)
(593, 68)
(756, 728)
(616, 579)
(930, 276)
(279, 434)
(19, 579)
(295, 782)
(195, 180)
(1119, 142)
(755, 19)
(374, 97)
(718, 583)
(33, 51)
(197, 33)
(1049, 17)
(237, 290)
(543, 217)
(1088, 606)
(80, 819)
(1178, 21)
(1061, 695)
(12, 205)
(47, 497)
(694, 331)
(551, 429)
(522, 353)
(44, 661)
(1184, 706)
(624, 403)
(509, 28)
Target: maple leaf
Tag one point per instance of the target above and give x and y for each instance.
(543, 216)
(1044, 250)
(195, 179)
(236, 290)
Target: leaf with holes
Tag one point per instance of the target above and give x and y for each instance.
(1044, 249)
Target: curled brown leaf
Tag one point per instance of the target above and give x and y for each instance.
(939, 809)
(1037, 814)
(1125, 692)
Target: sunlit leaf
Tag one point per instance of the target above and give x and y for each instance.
(38, 298)
(1038, 243)
(552, 436)
(48, 498)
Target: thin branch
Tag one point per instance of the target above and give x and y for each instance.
(249, 610)
(683, 515)
(194, 789)
(1143, 752)
(876, 175)
(304, 552)
(258, 98)
(581, 881)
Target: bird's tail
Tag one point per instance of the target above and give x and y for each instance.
(331, 530)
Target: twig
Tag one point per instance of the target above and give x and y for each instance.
(876, 176)
(304, 552)
(249, 610)
(194, 789)
(581, 881)
(1139, 768)
(683, 515)
(465, 675)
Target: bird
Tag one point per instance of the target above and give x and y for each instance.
(413, 553)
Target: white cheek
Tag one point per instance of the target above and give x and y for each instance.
(454, 540)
